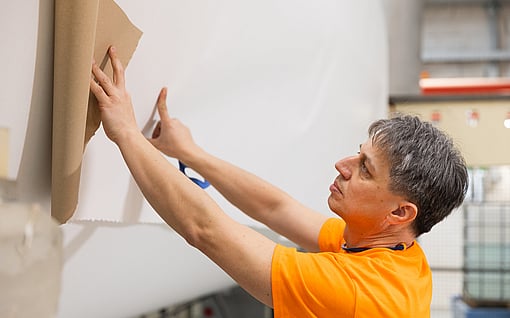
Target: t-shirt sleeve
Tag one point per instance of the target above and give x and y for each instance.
(331, 235)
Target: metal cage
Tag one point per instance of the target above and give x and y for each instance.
(486, 269)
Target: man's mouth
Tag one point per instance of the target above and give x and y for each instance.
(335, 188)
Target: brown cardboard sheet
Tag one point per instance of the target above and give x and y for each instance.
(84, 30)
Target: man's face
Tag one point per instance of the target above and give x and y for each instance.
(360, 193)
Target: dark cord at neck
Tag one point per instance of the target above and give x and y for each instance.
(398, 247)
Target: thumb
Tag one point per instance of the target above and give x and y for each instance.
(161, 103)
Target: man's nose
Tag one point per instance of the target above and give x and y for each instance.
(346, 166)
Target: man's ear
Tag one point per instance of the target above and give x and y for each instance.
(405, 213)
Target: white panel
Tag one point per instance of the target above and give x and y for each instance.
(122, 271)
(18, 31)
(281, 88)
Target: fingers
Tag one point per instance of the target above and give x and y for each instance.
(162, 109)
(102, 80)
(97, 90)
(118, 69)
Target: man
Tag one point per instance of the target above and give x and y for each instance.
(406, 177)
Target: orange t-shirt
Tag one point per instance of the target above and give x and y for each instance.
(378, 282)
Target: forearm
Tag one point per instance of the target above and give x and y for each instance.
(259, 199)
(254, 196)
(180, 203)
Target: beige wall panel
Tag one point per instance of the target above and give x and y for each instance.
(487, 143)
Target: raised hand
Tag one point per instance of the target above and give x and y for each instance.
(170, 135)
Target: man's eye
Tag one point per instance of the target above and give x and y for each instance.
(363, 168)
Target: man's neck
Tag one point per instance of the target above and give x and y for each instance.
(384, 239)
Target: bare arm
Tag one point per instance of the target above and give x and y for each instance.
(262, 201)
(254, 196)
(242, 252)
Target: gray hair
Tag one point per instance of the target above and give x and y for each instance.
(425, 167)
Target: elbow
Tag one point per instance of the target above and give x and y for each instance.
(197, 236)
(192, 236)
(205, 235)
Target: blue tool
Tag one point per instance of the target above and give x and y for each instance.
(201, 183)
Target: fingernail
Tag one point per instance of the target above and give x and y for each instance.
(112, 48)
